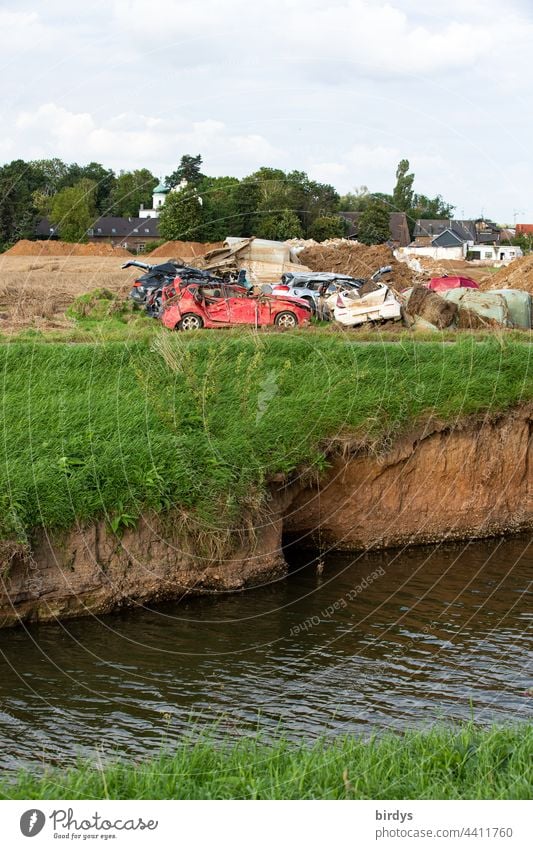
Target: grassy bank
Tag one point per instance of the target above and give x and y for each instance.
(199, 422)
(464, 763)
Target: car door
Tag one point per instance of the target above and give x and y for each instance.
(216, 304)
(242, 307)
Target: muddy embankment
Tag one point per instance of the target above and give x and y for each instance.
(441, 482)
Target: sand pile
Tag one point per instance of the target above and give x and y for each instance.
(184, 250)
(52, 248)
(517, 275)
(345, 257)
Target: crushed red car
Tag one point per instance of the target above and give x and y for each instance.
(195, 305)
(440, 284)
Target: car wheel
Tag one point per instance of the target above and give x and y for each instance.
(286, 320)
(190, 321)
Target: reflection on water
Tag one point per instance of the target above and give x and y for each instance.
(377, 641)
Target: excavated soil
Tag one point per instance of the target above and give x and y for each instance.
(453, 267)
(35, 292)
(345, 257)
(52, 248)
(184, 250)
(517, 275)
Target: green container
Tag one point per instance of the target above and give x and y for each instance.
(519, 306)
(486, 304)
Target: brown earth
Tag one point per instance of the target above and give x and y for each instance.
(345, 257)
(437, 483)
(52, 248)
(184, 250)
(35, 291)
(517, 275)
(482, 274)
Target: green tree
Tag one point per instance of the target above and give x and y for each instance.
(103, 178)
(402, 196)
(220, 209)
(268, 192)
(328, 227)
(247, 196)
(189, 169)
(182, 216)
(54, 171)
(374, 223)
(355, 201)
(524, 241)
(280, 227)
(424, 207)
(19, 181)
(310, 199)
(131, 189)
(73, 210)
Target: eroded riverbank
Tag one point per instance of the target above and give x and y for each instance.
(441, 482)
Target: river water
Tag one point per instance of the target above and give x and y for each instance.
(377, 641)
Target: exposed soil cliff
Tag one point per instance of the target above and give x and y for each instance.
(439, 483)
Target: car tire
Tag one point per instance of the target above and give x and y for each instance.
(190, 321)
(286, 320)
(311, 303)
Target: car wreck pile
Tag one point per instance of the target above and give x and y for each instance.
(257, 283)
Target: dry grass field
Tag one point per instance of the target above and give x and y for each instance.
(35, 291)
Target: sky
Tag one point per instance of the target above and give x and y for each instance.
(341, 90)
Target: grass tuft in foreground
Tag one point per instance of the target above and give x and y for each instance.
(456, 763)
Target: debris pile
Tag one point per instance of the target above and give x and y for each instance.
(346, 257)
(51, 247)
(264, 260)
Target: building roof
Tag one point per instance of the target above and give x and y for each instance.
(465, 229)
(108, 226)
(397, 222)
(448, 238)
(399, 228)
(161, 189)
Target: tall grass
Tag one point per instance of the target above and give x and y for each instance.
(200, 422)
(460, 763)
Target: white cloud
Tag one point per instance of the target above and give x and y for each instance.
(342, 90)
(129, 140)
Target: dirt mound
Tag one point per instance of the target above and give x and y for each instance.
(345, 257)
(185, 250)
(517, 275)
(52, 248)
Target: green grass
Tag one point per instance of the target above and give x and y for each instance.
(456, 763)
(203, 421)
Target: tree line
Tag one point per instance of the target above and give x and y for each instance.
(270, 203)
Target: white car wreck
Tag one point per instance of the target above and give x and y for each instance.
(357, 306)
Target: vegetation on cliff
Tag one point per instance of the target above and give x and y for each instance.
(443, 763)
(199, 423)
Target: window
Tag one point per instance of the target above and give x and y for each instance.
(141, 247)
(113, 229)
(146, 230)
(99, 230)
(135, 230)
(488, 254)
